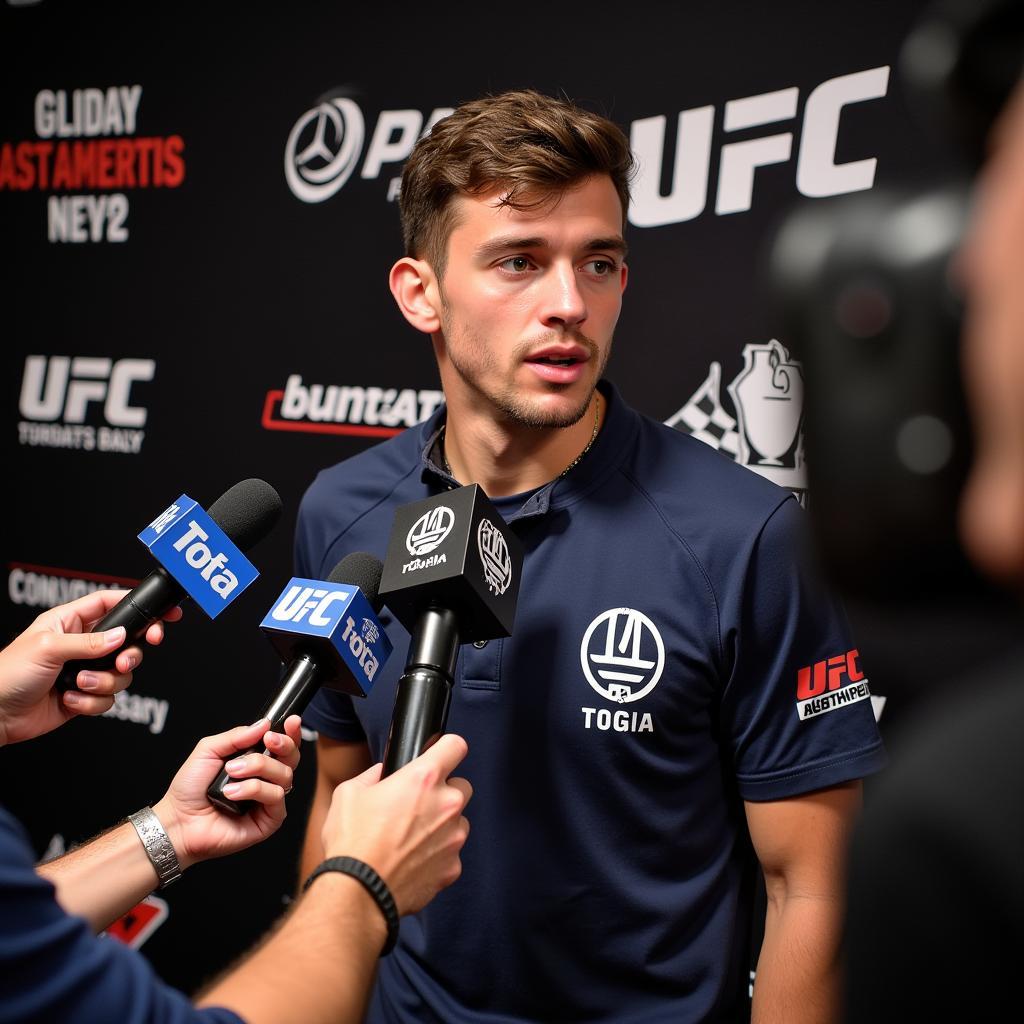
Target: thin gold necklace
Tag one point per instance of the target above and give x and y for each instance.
(589, 444)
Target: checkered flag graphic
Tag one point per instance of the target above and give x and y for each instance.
(704, 418)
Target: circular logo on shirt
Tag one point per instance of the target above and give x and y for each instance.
(497, 562)
(622, 655)
(430, 530)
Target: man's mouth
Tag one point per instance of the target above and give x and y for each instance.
(559, 366)
(551, 360)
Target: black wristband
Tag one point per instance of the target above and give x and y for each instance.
(375, 886)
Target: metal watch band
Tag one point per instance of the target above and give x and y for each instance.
(375, 886)
(157, 846)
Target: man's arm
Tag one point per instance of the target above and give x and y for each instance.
(106, 877)
(319, 965)
(802, 845)
(335, 763)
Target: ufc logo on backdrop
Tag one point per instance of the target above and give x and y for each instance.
(62, 388)
(817, 173)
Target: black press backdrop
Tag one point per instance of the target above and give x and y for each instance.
(198, 219)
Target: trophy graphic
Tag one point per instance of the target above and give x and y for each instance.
(765, 434)
(769, 395)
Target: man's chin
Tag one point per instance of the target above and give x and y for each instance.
(550, 413)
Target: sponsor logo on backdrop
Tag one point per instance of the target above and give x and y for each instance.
(830, 684)
(45, 586)
(132, 928)
(84, 402)
(623, 657)
(330, 140)
(88, 156)
(764, 433)
(140, 922)
(138, 709)
(816, 171)
(347, 409)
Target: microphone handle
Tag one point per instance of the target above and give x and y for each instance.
(295, 692)
(421, 710)
(153, 598)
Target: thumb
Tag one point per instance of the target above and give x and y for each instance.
(368, 778)
(445, 754)
(57, 648)
(225, 744)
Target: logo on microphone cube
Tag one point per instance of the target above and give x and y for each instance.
(494, 557)
(430, 530)
(199, 555)
(165, 519)
(309, 612)
(471, 561)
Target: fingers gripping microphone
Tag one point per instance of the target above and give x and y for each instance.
(327, 634)
(451, 577)
(200, 555)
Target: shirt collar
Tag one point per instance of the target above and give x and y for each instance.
(604, 458)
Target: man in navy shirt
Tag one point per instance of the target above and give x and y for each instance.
(678, 701)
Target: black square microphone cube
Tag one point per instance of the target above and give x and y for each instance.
(455, 551)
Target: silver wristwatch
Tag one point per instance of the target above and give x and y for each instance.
(158, 846)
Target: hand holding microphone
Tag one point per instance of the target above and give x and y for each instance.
(327, 634)
(30, 704)
(199, 832)
(200, 555)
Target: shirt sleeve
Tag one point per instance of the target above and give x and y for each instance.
(53, 969)
(796, 707)
(332, 714)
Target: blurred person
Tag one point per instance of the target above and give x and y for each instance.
(317, 965)
(935, 927)
(661, 723)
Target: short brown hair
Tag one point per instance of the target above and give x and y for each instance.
(528, 143)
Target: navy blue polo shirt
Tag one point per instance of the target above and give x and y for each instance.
(53, 969)
(671, 658)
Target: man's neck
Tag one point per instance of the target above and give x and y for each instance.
(508, 458)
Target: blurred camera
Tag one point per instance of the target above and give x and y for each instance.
(867, 296)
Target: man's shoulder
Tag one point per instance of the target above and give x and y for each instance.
(366, 476)
(689, 479)
(343, 494)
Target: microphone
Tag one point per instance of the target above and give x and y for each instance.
(460, 586)
(327, 634)
(183, 539)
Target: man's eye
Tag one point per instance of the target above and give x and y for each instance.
(515, 264)
(600, 268)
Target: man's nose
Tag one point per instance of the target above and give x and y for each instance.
(563, 302)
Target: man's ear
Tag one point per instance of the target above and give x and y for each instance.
(415, 289)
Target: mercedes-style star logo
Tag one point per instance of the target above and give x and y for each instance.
(622, 655)
(430, 530)
(331, 139)
(497, 562)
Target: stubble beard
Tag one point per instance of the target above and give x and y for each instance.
(506, 399)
